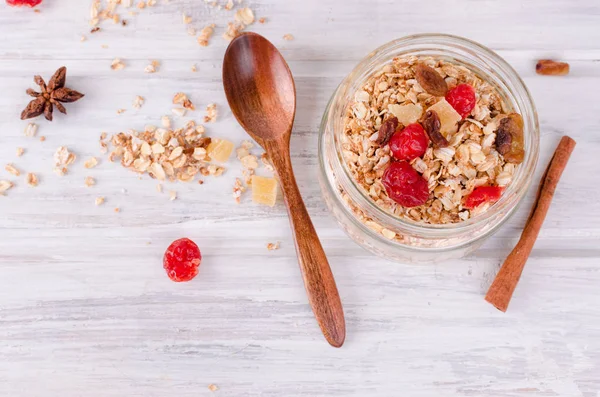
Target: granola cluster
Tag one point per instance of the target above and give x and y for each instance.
(465, 158)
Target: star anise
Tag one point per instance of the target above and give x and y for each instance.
(51, 95)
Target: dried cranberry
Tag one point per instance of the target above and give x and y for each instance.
(404, 185)
(182, 259)
(409, 143)
(462, 98)
(483, 194)
(18, 3)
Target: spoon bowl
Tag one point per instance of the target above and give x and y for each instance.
(261, 94)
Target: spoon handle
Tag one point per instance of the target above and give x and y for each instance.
(318, 279)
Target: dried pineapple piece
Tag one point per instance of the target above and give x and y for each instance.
(449, 117)
(220, 149)
(264, 190)
(406, 114)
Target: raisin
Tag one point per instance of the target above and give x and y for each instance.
(386, 131)
(551, 68)
(431, 124)
(483, 194)
(404, 185)
(182, 259)
(430, 80)
(409, 143)
(509, 138)
(462, 99)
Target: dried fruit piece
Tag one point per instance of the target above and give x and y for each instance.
(18, 3)
(264, 190)
(509, 138)
(483, 194)
(409, 143)
(548, 67)
(404, 185)
(406, 114)
(386, 130)
(462, 99)
(220, 150)
(430, 80)
(449, 117)
(432, 125)
(182, 259)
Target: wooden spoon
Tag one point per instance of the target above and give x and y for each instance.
(262, 96)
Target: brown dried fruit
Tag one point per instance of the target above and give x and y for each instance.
(511, 125)
(430, 80)
(548, 67)
(386, 130)
(431, 123)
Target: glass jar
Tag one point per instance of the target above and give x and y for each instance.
(386, 234)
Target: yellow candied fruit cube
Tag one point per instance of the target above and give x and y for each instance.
(220, 150)
(264, 190)
(449, 117)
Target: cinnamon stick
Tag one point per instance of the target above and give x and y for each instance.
(507, 278)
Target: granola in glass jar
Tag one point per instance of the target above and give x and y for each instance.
(454, 129)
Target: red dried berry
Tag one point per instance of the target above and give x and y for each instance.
(404, 185)
(182, 259)
(409, 143)
(462, 99)
(483, 194)
(18, 3)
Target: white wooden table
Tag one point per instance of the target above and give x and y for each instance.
(87, 310)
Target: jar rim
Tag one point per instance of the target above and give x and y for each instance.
(470, 53)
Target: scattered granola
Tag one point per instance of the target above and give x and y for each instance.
(20, 151)
(62, 159)
(288, 37)
(42, 138)
(152, 67)
(211, 113)
(262, 20)
(233, 30)
(213, 387)
(273, 246)
(91, 162)
(172, 195)
(238, 189)
(31, 179)
(181, 99)
(4, 186)
(205, 35)
(31, 129)
(121, 111)
(461, 155)
(99, 200)
(244, 16)
(12, 169)
(117, 64)
(89, 181)
(138, 102)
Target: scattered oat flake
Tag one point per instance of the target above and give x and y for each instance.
(91, 162)
(11, 168)
(238, 189)
(165, 121)
(244, 16)
(31, 129)
(4, 186)
(31, 179)
(186, 19)
(82, 38)
(99, 200)
(273, 246)
(159, 188)
(229, 5)
(138, 101)
(150, 69)
(20, 151)
(205, 35)
(213, 387)
(89, 181)
(179, 112)
(194, 68)
(288, 37)
(211, 113)
(120, 111)
(172, 195)
(117, 64)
